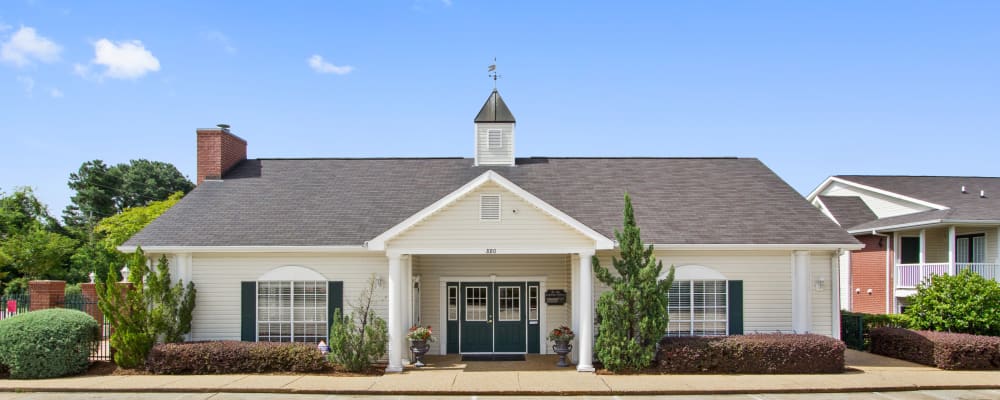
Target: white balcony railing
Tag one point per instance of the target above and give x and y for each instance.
(986, 270)
(909, 275)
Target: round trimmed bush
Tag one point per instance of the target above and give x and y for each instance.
(47, 343)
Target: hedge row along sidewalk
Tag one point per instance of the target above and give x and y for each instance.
(944, 350)
(751, 354)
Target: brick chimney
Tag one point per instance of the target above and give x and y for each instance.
(218, 151)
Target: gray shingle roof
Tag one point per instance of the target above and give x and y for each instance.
(848, 210)
(941, 190)
(495, 110)
(322, 202)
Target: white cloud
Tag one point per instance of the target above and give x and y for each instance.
(55, 93)
(124, 60)
(81, 70)
(317, 63)
(220, 39)
(25, 46)
(28, 83)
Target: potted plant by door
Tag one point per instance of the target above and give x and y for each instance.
(561, 336)
(420, 337)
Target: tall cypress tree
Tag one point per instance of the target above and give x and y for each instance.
(633, 314)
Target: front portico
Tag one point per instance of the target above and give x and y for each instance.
(480, 260)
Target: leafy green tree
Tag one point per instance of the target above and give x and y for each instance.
(358, 341)
(96, 185)
(38, 253)
(144, 181)
(102, 190)
(963, 303)
(149, 310)
(116, 229)
(633, 314)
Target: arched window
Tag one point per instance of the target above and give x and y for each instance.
(292, 305)
(698, 302)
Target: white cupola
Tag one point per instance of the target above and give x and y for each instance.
(495, 133)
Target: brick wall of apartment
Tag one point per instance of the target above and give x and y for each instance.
(218, 151)
(868, 272)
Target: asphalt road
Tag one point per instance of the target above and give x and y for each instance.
(915, 395)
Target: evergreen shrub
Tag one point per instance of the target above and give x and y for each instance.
(47, 343)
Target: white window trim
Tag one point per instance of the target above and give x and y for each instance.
(691, 292)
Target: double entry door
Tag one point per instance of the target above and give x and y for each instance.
(492, 317)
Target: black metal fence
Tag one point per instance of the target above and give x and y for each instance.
(100, 350)
(14, 304)
(855, 327)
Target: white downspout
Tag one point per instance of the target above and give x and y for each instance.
(889, 293)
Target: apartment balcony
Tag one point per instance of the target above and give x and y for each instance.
(909, 275)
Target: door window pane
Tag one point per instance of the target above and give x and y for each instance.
(509, 302)
(476, 306)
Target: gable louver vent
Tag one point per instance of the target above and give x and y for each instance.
(489, 207)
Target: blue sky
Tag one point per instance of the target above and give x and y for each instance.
(811, 88)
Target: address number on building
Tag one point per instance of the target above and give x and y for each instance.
(491, 251)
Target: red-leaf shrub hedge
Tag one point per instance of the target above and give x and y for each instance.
(232, 357)
(751, 354)
(944, 350)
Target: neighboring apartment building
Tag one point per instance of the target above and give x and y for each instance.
(912, 227)
(492, 250)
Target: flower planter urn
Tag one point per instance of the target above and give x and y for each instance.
(419, 348)
(562, 348)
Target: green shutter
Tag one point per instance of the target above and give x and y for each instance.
(248, 312)
(735, 307)
(335, 300)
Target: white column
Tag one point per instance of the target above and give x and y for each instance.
(951, 250)
(923, 246)
(801, 292)
(574, 299)
(395, 317)
(835, 312)
(584, 303)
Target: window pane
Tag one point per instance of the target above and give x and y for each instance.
(697, 308)
(291, 311)
(509, 302)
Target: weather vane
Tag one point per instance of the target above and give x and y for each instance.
(493, 73)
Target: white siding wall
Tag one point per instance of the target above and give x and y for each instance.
(820, 266)
(883, 206)
(521, 226)
(845, 281)
(767, 283)
(431, 268)
(217, 278)
(502, 156)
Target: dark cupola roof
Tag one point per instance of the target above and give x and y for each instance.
(495, 110)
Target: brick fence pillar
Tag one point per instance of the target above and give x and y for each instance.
(90, 296)
(46, 294)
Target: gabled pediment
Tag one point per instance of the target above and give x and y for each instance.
(490, 212)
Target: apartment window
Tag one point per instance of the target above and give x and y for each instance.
(970, 248)
(909, 250)
(698, 308)
(291, 311)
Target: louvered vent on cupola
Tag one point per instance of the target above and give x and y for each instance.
(489, 207)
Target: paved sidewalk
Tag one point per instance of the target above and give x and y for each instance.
(449, 376)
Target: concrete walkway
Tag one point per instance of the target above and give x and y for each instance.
(537, 376)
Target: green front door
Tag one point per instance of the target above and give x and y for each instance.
(492, 317)
(509, 325)
(476, 316)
